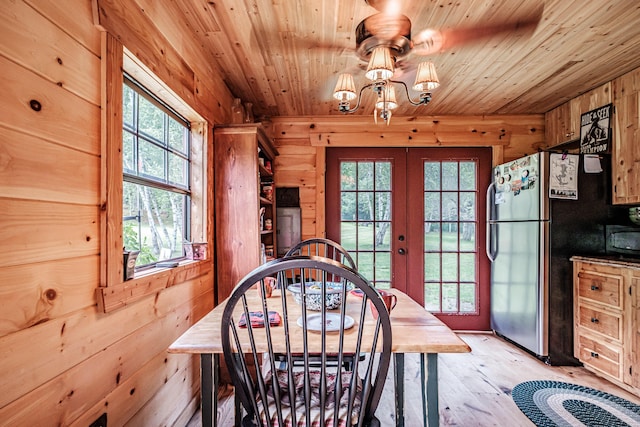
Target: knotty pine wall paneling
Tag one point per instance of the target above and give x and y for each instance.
(302, 141)
(62, 361)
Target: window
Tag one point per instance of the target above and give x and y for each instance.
(155, 175)
(156, 169)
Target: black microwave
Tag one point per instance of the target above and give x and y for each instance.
(623, 240)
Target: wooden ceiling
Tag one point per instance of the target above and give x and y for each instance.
(284, 56)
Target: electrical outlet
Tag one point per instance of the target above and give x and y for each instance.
(100, 422)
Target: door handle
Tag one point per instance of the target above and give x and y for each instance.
(402, 251)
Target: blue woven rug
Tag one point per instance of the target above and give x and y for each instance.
(553, 403)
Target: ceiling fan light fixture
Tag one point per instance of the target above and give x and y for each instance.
(383, 39)
(426, 77)
(380, 64)
(345, 88)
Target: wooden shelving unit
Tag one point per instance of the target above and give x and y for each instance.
(266, 159)
(240, 178)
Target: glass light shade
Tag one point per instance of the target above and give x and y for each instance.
(380, 65)
(345, 89)
(387, 99)
(426, 77)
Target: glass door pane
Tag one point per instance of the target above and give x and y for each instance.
(365, 217)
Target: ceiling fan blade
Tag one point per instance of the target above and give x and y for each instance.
(405, 72)
(318, 45)
(429, 42)
(387, 6)
(297, 42)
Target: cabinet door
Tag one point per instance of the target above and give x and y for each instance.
(556, 122)
(633, 356)
(562, 124)
(626, 131)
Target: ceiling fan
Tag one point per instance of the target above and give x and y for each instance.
(384, 40)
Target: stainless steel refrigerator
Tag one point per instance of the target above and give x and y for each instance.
(530, 241)
(518, 247)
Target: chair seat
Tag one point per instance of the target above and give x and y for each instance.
(316, 360)
(314, 402)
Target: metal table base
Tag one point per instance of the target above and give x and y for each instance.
(210, 363)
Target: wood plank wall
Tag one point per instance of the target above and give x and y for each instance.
(62, 361)
(302, 141)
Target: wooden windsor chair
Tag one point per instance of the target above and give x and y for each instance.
(289, 394)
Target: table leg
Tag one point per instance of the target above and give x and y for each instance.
(398, 368)
(238, 410)
(209, 388)
(430, 389)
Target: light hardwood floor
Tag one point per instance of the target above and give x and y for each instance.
(475, 388)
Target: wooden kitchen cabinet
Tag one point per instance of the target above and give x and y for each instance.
(606, 327)
(626, 133)
(239, 179)
(562, 124)
(634, 360)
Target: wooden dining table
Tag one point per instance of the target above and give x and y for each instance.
(413, 330)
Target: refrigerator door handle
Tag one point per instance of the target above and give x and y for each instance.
(492, 242)
(489, 242)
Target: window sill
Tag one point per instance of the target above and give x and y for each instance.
(147, 283)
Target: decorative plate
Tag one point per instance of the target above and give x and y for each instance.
(314, 322)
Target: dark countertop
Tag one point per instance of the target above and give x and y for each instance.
(613, 260)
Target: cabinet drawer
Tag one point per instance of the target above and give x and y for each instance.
(601, 288)
(600, 321)
(602, 356)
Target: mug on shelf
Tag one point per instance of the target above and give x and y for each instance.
(267, 190)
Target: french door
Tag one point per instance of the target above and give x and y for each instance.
(413, 219)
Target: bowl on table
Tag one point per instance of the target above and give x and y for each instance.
(313, 294)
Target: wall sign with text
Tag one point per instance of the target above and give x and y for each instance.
(595, 130)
